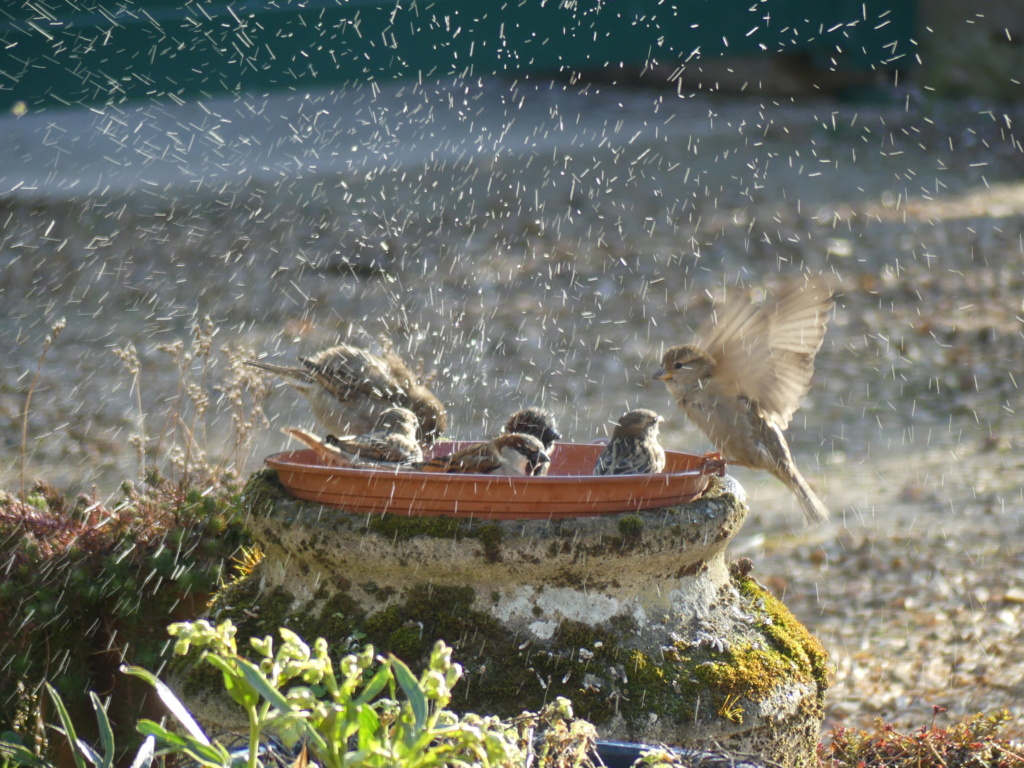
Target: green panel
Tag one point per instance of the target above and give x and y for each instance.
(93, 52)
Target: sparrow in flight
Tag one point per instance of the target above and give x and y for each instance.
(742, 378)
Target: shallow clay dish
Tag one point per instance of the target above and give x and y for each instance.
(569, 490)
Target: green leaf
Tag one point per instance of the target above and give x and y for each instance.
(411, 686)
(329, 728)
(370, 736)
(171, 702)
(106, 732)
(11, 750)
(241, 694)
(167, 738)
(69, 727)
(89, 753)
(207, 754)
(144, 757)
(316, 740)
(234, 683)
(255, 678)
(376, 684)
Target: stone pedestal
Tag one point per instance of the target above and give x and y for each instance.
(634, 617)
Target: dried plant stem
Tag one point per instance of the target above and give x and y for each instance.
(47, 343)
(130, 357)
(170, 428)
(244, 391)
(202, 343)
(140, 425)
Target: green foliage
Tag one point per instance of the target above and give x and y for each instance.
(975, 743)
(364, 710)
(352, 713)
(368, 711)
(14, 753)
(91, 584)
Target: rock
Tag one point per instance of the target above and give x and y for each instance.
(634, 617)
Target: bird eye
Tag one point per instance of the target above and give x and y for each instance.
(678, 366)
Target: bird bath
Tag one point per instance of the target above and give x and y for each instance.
(569, 490)
(634, 616)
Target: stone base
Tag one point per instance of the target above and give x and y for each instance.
(634, 617)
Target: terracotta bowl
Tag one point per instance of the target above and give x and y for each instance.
(569, 490)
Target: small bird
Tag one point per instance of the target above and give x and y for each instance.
(392, 441)
(539, 423)
(634, 448)
(391, 444)
(742, 378)
(348, 387)
(512, 454)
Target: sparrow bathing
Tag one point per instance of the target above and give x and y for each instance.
(348, 387)
(634, 448)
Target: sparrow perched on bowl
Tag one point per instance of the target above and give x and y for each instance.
(512, 454)
(634, 448)
(390, 445)
(348, 387)
(539, 423)
(742, 378)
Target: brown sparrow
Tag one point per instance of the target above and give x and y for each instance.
(504, 455)
(539, 423)
(634, 448)
(743, 377)
(390, 445)
(348, 387)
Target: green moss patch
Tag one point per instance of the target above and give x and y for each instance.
(791, 639)
(597, 667)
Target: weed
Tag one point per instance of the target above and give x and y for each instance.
(55, 330)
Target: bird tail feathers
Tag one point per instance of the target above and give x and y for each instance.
(815, 511)
(289, 374)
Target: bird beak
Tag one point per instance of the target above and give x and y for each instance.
(662, 375)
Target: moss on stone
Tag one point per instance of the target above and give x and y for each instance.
(594, 666)
(490, 537)
(788, 636)
(379, 626)
(608, 670)
(340, 616)
(261, 491)
(405, 527)
(407, 642)
(631, 527)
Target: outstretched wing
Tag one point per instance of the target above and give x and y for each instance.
(346, 371)
(766, 353)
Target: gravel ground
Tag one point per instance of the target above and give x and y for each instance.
(540, 244)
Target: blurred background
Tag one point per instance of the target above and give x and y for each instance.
(532, 202)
